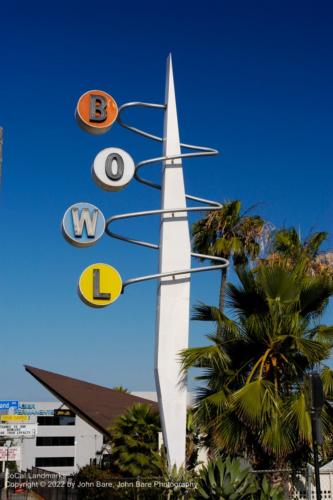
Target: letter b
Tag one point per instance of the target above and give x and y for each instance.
(97, 109)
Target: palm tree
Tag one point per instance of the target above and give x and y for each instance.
(228, 233)
(194, 441)
(120, 388)
(252, 398)
(289, 243)
(134, 442)
(290, 251)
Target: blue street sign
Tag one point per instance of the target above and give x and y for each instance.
(8, 404)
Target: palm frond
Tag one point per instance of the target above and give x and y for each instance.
(256, 402)
(204, 357)
(298, 416)
(314, 296)
(327, 379)
(277, 439)
(314, 241)
(203, 312)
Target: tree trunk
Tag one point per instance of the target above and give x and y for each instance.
(222, 288)
(284, 481)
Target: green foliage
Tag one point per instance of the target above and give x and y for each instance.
(120, 388)
(251, 397)
(226, 480)
(183, 480)
(177, 485)
(229, 233)
(288, 243)
(230, 479)
(194, 440)
(288, 250)
(269, 492)
(221, 478)
(11, 466)
(134, 441)
(90, 474)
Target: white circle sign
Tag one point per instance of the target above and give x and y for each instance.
(113, 169)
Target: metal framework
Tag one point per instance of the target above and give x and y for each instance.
(210, 205)
(172, 321)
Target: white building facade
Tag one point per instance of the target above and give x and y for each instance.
(64, 442)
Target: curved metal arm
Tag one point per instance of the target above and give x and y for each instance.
(209, 204)
(138, 104)
(110, 220)
(201, 150)
(148, 277)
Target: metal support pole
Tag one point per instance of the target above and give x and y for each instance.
(66, 488)
(6, 480)
(21, 457)
(309, 482)
(315, 454)
(173, 309)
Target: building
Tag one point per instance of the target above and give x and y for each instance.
(64, 441)
(152, 396)
(70, 431)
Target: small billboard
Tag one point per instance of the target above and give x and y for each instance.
(12, 454)
(18, 430)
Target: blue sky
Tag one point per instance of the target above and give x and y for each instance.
(253, 79)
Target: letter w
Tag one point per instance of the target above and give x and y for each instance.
(84, 219)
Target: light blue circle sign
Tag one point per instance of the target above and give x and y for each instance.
(83, 224)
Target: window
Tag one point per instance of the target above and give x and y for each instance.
(65, 420)
(106, 462)
(55, 441)
(54, 461)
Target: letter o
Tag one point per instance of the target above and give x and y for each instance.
(113, 169)
(114, 158)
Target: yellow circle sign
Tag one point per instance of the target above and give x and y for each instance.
(100, 285)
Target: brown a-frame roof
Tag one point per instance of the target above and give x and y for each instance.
(95, 404)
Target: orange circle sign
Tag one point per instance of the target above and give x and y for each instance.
(96, 111)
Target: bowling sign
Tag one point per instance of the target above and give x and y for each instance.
(113, 169)
(99, 285)
(83, 224)
(96, 111)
